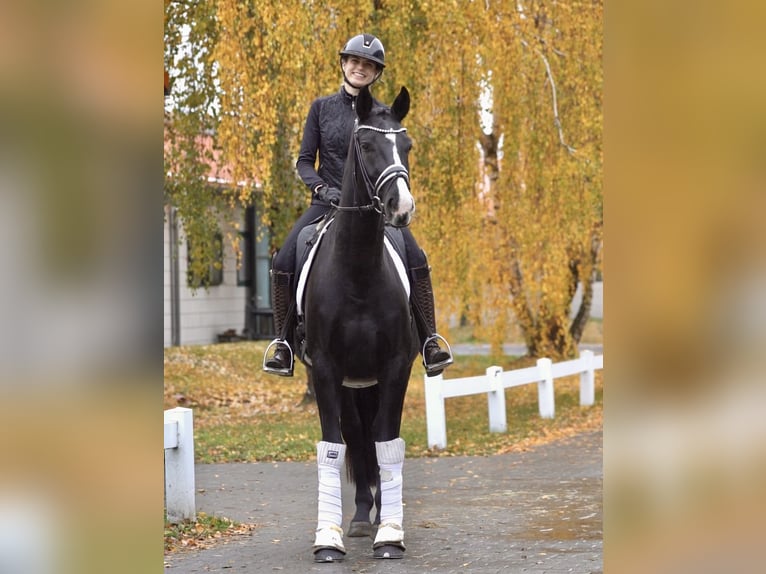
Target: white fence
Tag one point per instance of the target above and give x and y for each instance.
(179, 465)
(495, 381)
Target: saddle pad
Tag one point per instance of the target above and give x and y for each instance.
(306, 239)
(304, 273)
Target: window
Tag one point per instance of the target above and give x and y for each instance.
(262, 269)
(213, 274)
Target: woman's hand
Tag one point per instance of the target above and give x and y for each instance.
(328, 194)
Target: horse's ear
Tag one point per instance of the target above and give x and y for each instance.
(401, 104)
(363, 103)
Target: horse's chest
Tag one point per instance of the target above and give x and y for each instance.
(357, 320)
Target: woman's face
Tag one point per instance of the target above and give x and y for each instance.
(360, 72)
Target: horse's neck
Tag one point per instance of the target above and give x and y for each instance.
(359, 239)
(359, 235)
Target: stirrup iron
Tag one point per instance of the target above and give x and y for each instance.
(286, 372)
(441, 364)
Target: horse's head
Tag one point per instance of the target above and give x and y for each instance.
(382, 150)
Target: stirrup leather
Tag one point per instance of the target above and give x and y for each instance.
(440, 364)
(278, 343)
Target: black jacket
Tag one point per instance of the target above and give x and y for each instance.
(327, 133)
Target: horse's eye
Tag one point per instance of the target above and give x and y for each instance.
(365, 146)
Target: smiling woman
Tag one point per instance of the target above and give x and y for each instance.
(358, 71)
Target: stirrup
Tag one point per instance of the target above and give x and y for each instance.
(441, 364)
(285, 372)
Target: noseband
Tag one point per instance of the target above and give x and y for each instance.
(391, 173)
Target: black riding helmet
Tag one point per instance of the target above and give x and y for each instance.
(364, 46)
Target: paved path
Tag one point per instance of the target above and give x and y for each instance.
(511, 349)
(532, 512)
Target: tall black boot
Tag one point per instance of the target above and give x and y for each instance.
(281, 362)
(435, 359)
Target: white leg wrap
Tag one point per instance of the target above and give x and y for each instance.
(390, 460)
(330, 458)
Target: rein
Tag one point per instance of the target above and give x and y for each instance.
(392, 172)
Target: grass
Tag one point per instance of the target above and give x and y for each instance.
(242, 414)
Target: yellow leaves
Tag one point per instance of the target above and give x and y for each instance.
(204, 532)
(273, 57)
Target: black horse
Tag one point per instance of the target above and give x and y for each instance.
(361, 340)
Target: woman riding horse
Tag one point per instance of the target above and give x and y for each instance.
(327, 134)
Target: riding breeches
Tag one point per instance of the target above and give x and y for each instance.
(415, 255)
(284, 260)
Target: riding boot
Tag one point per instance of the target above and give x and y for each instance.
(435, 359)
(281, 362)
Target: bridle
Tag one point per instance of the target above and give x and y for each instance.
(391, 173)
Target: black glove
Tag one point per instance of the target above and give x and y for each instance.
(328, 194)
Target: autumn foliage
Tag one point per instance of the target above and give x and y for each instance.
(506, 120)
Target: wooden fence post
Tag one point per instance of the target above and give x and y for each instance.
(179, 466)
(436, 418)
(496, 401)
(545, 395)
(587, 379)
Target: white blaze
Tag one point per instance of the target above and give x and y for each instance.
(406, 202)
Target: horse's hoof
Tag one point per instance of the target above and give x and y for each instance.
(388, 551)
(328, 555)
(359, 528)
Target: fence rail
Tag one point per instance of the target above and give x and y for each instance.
(179, 465)
(495, 381)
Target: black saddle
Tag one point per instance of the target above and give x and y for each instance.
(309, 235)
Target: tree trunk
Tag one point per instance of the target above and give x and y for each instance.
(583, 313)
(489, 195)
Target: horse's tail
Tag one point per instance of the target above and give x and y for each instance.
(359, 408)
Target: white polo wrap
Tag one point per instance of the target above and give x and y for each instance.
(330, 458)
(391, 460)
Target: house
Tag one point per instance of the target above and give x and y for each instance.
(237, 302)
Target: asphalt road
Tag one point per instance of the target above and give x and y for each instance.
(537, 512)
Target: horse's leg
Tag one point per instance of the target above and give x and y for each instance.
(360, 524)
(328, 541)
(359, 408)
(377, 502)
(389, 447)
(389, 541)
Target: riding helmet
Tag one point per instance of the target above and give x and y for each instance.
(365, 46)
